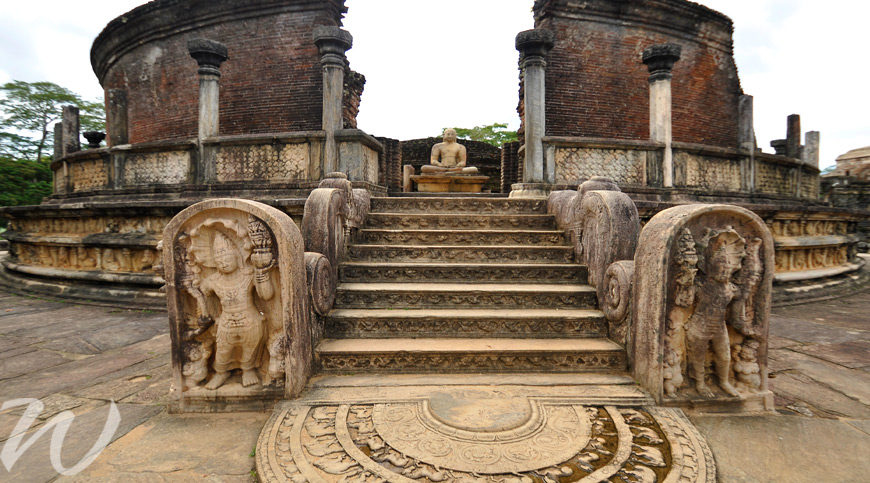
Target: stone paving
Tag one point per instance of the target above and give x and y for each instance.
(79, 358)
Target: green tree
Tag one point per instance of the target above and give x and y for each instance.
(495, 134)
(24, 182)
(29, 110)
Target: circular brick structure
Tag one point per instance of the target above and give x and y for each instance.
(598, 87)
(271, 83)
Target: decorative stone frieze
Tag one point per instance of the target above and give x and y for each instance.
(238, 305)
(701, 293)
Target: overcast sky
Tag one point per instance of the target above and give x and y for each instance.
(432, 64)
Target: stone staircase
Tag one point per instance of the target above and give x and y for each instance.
(464, 285)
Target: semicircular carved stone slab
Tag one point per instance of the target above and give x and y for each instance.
(238, 305)
(701, 303)
(515, 440)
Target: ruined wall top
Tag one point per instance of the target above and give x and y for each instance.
(162, 18)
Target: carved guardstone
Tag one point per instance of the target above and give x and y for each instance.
(701, 301)
(238, 306)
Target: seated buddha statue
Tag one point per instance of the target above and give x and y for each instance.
(448, 157)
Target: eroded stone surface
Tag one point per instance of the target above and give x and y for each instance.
(703, 308)
(238, 301)
(443, 438)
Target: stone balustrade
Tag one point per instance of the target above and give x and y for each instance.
(696, 167)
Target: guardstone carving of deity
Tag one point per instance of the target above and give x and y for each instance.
(235, 284)
(701, 313)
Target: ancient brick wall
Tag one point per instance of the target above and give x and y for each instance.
(510, 165)
(390, 172)
(597, 85)
(354, 83)
(272, 81)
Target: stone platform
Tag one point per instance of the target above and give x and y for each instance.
(446, 183)
(78, 357)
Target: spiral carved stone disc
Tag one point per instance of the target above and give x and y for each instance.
(533, 441)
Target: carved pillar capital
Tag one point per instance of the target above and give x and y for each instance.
(534, 45)
(660, 60)
(332, 43)
(209, 54)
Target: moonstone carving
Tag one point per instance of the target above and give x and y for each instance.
(238, 307)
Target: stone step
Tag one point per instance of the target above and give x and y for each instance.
(457, 272)
(493, 206)
(463, 237)
(469, 355)
(463, 295)
(465, 323)
(461, 254)
(430, 221)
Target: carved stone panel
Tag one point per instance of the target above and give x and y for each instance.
(702, 289)
(238, 305)
(608, 231)
(544, 441)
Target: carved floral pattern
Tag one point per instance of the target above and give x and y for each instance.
(463, 222)
(404, 442)
(479, 273)
(524, 254)
(479, 327)
(459, 205)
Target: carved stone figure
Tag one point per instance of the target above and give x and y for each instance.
(240, 324)
(448, 157)
(238, 305)
(745, 366)
(723, 255)
(701, 311)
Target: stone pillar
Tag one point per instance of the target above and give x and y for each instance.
(660, 60)
(793, 137)
(58, 140)
(209, 55)
(810, 153)
(70, 142)
(60, 186)
(533, 46)
(332, 42)
(117, 118)
(746, 140)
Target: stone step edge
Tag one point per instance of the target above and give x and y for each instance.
(451, 266)
(466, 313)
(463, 346)
(485, 231)
(462, 247)
(523, 288)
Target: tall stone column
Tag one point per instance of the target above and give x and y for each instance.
(209, 55)
(333, 43)
(746, 140)
(810, 152)
(71, 142)
(793, 136)
(660, 60)
(117, 118)
(534, 46)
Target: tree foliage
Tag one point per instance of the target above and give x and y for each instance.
(495, 134)
(29, 111)
(24, 182)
